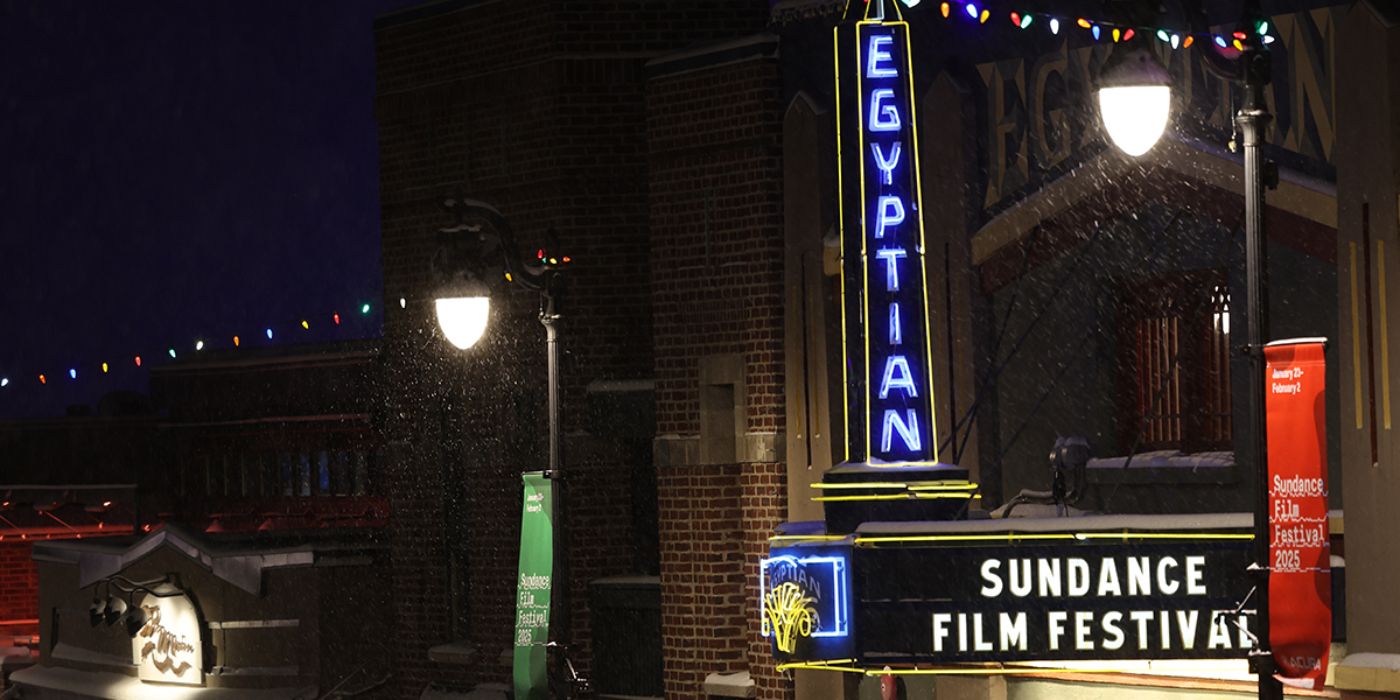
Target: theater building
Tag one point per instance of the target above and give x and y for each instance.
(1037, 284)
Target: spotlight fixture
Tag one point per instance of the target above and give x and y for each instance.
(134, 619)
(116, 607)
(97, 610)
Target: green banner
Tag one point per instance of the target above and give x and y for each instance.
(533, 588)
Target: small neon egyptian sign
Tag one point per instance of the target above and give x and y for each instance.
(804, 597)
(885, 328)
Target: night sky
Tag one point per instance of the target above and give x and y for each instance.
(180, 170)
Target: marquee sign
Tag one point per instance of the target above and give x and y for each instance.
(885, 324)
(805, 601)
(984, 596)
(169, 648)
(1079, 601)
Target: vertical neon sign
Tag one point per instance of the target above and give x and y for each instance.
(885, 328)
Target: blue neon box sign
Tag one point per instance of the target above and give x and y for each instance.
(805, 601)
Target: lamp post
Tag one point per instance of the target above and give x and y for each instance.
(1132, 109)
(463, 308)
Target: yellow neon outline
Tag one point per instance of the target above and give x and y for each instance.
(898, 497)
(857, 485)
(923, 248)
(841, 214)
(942, 487)
(923, 266)
(1014, 536)
(871, 497)
(985, 671)
(949, 485)
(816, 667)
(864, 225)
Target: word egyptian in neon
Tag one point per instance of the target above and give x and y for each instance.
(891, 215)
(883, 117)
(879, 62)
(890, 400)
(907, 427)
(897, 375)
(891, 257)
(885, 162)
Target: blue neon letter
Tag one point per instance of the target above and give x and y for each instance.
(883, 117)
(891, 214)
(905, 380)
(891, 257)
(886, 164)
(895, 326)
(877, 54)
(908, 428)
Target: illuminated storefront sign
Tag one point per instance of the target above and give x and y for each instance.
(804, 601)
(168, 648)
(888, 369)
(1056, 602)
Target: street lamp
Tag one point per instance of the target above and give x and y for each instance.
(1135, 98)
(463, 318)
(468, 254)
(1252, 70)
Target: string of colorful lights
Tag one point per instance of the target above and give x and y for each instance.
(74, 372)
(1099, 29)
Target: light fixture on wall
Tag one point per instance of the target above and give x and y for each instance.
(116, 606)
(1135, 98)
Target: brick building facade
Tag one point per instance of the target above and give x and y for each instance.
(655, 164)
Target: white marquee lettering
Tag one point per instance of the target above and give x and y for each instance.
(1108, 578)
(1168, 586)
(992, 587)
(1111, 620)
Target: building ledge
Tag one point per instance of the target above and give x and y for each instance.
(1368, 672)
(730, 685)
(457, 653)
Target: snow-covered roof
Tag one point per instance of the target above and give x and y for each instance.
(241, 565)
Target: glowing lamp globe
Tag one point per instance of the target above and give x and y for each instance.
(463, 319)
(1135, 100)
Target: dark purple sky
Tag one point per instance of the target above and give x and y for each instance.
(178, 169)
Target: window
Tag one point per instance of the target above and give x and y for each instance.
(1176, 335)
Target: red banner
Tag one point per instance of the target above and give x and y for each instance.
(1300, 578)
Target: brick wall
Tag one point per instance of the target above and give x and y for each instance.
(19, 582)
(716, 255)
(542, 113)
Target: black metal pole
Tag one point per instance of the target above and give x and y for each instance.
(560, 618)
(1252, 119)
